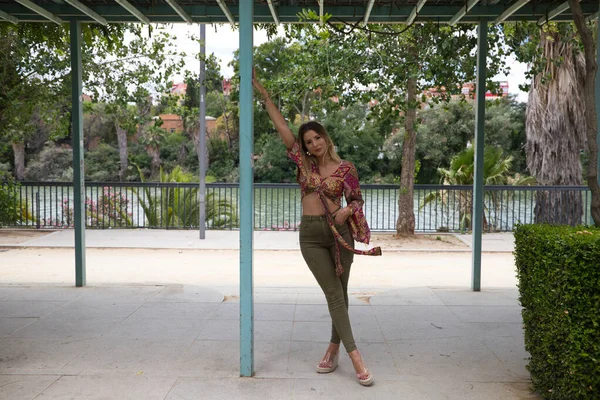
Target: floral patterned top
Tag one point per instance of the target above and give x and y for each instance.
(343, 181)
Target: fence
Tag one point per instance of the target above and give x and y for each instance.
(278, 206)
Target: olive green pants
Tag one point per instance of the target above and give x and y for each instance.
(318, 249)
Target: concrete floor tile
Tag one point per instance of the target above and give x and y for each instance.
(188, 293)
(274, 312)
(67, 328)
(272, 330)
(43, 356)
(40, 293)
(130, 356)
(459, 358)
(232, 388)
(24, 387)
(488, 313)
(365, 326)
(494, 329)
(276, 298)
(86, 309)
(210, 359)
(227, 311)
(308, 331)
(511, 351)
(308, 389)
(29, 308)
(109, 387)
(176, 311)
(311, 298)
(467, 297)
(312, 312)
(422, 296)
(227, 329)
(128, 294)
(271, 359)
(9, 325)
(152, 328)
(415, 322)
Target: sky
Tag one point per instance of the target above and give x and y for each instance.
(223, 41)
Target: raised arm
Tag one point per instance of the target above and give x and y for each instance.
(280, 124)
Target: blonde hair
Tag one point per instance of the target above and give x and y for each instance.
(309, 160)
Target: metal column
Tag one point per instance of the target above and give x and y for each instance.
(246, 190)
(202, 133)
(477, 218)
(77, 143)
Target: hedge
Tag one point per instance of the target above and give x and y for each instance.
(558, 269)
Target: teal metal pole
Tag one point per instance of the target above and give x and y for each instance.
(202, 133)
(77, 143)
(246, 190)
(479, 149)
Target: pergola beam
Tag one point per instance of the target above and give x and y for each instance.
(510, 11)
(463, 11)
(273, 12)
(41, 11)
(133, 11)
(415, 11)
(185, 16)
(368, 12)
(87, 11)
(554, 13)
(226, 11)
(8, 17)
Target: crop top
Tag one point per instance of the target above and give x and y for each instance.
(343, 181)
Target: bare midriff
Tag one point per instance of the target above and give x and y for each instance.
(312, 205)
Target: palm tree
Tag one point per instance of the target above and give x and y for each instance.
(496, 171)
(556, 128)
(152, 138)
(180, 206)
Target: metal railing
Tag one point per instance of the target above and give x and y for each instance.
(278, 206)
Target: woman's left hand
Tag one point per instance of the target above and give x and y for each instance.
(342, 215)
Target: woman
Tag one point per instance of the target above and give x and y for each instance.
(327, 231)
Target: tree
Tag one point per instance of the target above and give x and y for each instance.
(447, 128)
(213, 82)
(357, 137)
(589, 96)
(152, 138)
(134, 71)
(496, 171)
(556, 121)
(391, 65)
(35, 77)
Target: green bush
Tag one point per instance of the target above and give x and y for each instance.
(53, 163)
(102, 164)
(559, 283)
(13, 210)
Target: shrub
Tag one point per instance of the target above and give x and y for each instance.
(53, 163)
(13, 210)
(559, 285)
(102, 164)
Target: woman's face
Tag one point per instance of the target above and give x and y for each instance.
(315, 143)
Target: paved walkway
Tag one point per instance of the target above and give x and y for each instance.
(221, 240)
(181, 341)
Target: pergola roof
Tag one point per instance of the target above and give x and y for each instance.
(286, 11)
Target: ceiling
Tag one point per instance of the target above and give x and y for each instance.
(286, 11)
